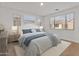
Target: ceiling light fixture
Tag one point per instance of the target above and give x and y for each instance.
(41, 4)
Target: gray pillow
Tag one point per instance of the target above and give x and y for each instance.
(38, 30)
(27, 31)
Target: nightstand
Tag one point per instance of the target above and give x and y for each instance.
(13, 37)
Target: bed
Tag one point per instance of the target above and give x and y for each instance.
(53, 51)
(37, 43)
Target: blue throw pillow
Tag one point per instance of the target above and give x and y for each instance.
(26, 31)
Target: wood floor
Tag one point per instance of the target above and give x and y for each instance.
(72, 50)
(11, 50)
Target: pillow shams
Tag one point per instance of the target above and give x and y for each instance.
(27, 31)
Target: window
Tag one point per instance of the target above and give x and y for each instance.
(70, 21)
(65, 21)
(17, 21)
(16, 24)
(29, 19)
(59, 22)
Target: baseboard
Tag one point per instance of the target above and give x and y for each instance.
(69, 40)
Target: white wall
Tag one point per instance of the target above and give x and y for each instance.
(7, 14)
(72, 35)
(6, 18)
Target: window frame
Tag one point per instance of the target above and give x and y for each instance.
(65, 21)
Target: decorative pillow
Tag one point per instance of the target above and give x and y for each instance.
(38, 30)
(27, 31)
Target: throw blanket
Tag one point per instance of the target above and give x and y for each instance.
(28, 39)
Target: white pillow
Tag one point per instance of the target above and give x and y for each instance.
(33, 30)
(36, 30)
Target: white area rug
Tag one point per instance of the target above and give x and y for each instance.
(54, 51)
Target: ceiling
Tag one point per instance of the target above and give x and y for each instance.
(35, 8)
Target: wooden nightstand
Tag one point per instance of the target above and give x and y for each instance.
(13, 37)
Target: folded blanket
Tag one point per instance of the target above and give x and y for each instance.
(28, 39)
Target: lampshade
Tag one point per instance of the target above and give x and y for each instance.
(14, 28)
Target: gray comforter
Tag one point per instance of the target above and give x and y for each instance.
(39, 45)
